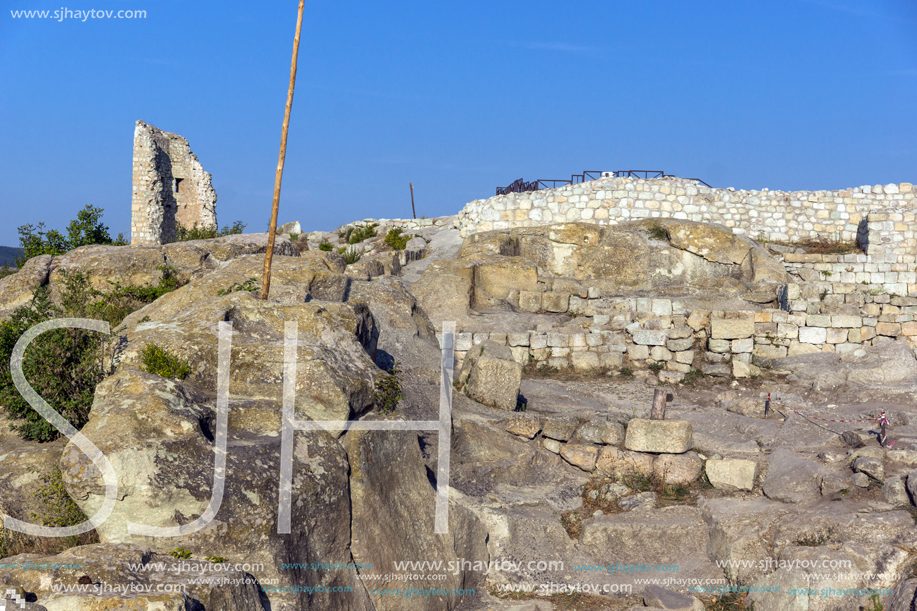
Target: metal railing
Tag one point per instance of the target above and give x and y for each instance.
(522, 186)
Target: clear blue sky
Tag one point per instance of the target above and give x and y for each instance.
(456, 97)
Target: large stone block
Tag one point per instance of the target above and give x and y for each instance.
(490, 375)
(529, 301)
(555, 302)
(649, 337)
(731, 328)
(660, 436)
(732, 474)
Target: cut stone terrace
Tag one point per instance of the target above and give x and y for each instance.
(765, 214)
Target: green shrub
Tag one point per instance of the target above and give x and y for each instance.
(159, 361)
(396, 238)
(180, 552)
(204, 232)
(216, 559)
(351, 255)
(62, 365)
(325, 245)
(388, 390)
(65, 365)
(86, 229)
(358, 233)
(59, 508)
(658, 232)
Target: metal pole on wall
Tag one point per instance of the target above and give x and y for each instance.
(268, 255)
(412, 200)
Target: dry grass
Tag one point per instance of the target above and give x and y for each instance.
(823, 246)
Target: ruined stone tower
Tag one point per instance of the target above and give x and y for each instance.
(171, 187)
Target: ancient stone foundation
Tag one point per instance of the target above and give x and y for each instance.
(170, 187)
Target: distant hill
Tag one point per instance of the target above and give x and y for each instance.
(8, 254)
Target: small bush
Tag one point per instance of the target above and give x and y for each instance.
(626, 372)
(325, 245)
(388, 390)
(216, 559)
(658, 232)
(204, 232)
(180, 552)
(656, 367)
(358, 233)
(60, 509)
(351, 255)
(159, 361)
(396, 238)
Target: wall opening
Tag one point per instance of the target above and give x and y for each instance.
(178, 182)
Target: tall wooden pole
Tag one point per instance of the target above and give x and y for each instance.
(412, 200)
(266, 280)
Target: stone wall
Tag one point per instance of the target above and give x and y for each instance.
(662, 335)
(765, 214)
(170, 187)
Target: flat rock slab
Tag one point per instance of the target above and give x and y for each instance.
(661, 536)
(656, 596)
(662, 436)
(791, 479)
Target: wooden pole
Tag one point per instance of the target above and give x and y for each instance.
(268, 255)
(658, 412)
(412, 200)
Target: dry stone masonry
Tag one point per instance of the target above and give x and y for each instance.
(170, 187)
(771, 215)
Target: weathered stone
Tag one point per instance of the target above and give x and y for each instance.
(668, 436)
(529, 301)
(678, 469)
(659, 536)
(731, 328)
(555, 302)
(561, 429)
(791, 479)
(641, 500)
(491, 375)
(732, 474)
(894, 491)
(580, 455)
(552, 445)
(620, 464)
(585, 361)
(656, 596)
(523, 426)
(648, 337)
(872, 467)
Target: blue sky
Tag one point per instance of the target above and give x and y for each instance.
(457, 98)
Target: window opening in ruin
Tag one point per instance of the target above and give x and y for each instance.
(178, 184)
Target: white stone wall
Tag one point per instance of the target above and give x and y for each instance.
(771, 215)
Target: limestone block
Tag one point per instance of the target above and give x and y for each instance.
(561, 429)
(638, 353)
(813, 335)
(678, 345)
(529, 301)
(555, 302)
(726, 328)
(649, 337)
(732, 474)
(523, 426)
(668, 436)
(685, 356)
(585, 361)
(678, 468)
(580, 455)
(613, 360)
(742, 345)
(719, 345)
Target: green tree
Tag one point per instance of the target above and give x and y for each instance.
(86, 229)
